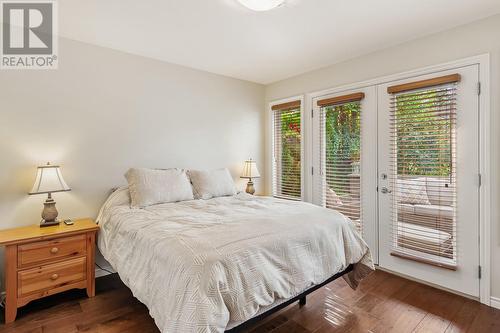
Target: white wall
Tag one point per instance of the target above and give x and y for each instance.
(469, 40)
(104, 111)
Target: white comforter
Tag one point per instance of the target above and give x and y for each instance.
(207, 265)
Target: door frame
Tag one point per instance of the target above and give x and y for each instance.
(484, 107)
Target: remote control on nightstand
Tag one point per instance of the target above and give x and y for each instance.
(69, 222)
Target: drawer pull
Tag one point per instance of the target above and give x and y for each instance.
(54, 277)
(54, 250)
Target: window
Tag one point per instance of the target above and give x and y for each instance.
(287, 151)
(423, 130)
(340, 155)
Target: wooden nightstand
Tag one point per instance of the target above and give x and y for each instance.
(44, 261)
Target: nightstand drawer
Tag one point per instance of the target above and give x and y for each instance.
(51, 276)
(44, 251)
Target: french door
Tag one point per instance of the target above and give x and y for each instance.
(400, 159)
(428, 165)
(345, 157)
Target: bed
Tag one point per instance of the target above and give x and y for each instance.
(213, 265)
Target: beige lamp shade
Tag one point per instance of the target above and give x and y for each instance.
(49, 180)
(250, 170)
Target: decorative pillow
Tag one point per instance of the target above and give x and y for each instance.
(212, 183)
(149, 187)
(412, 191)
(119, 196)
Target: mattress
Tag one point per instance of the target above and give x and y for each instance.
(209, 265)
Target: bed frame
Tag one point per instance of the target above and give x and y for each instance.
(301, 298)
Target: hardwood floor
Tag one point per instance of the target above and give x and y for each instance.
(383, 303)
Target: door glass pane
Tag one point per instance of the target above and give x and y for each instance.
(341, 159)
(423, 124)
(287, 167)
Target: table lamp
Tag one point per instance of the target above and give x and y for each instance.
(49, 180)
(250, 171)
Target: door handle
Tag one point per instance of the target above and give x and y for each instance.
(385, 190)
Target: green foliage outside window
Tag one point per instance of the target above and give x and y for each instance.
(424, 133)
(290, 153)
(343, 144)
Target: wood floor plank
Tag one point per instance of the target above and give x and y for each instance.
(382, 303)
(487, 320)
(464, 317)
(442, 308)
(331, 310)
(354, 323)
(290, 327)
(396, 314)
(432, 324)
(401, 319)
(385, 308)
(35, 317)
(270, 325)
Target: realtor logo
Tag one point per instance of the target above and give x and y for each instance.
(29, 36)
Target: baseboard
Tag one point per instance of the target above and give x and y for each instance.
(495, 302)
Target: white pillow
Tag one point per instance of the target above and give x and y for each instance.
(118, 197)
(149, 187)
(212, 183)
(412, 191)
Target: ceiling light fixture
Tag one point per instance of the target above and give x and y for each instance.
(261, 5)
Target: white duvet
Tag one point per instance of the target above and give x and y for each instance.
(208, 265)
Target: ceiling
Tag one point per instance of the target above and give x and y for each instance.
(221, 36)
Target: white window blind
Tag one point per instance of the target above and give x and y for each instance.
(287, 151)
(423, 175)
(340, 155)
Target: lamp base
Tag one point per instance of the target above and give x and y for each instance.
(250, 188)
(44, 223)
(49, 213)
